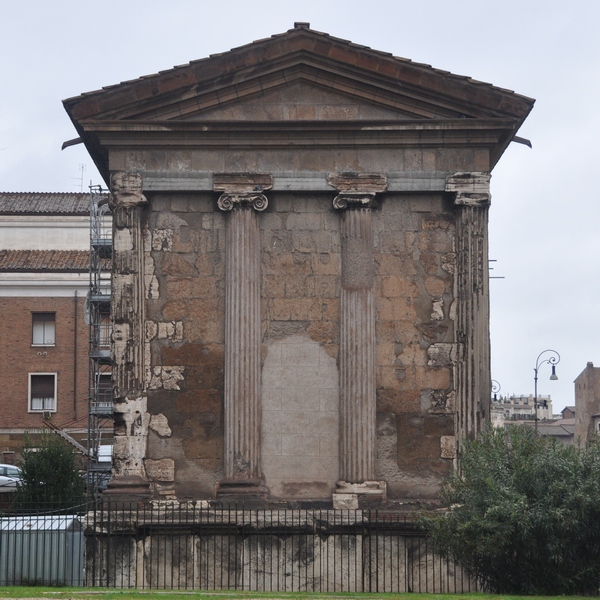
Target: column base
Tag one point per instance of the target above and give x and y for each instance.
(127, 488)
(351, 496)
(242, 489)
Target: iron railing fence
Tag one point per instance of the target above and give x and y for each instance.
(194, 546)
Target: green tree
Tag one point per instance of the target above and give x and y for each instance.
(523, 514)
(51, 477)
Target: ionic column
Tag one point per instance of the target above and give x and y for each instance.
(357, 335)
(242, 198)
(128, 316)
(472, 369)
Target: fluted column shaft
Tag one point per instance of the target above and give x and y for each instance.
(128, 337)
(242, 198)
(242, 346)
(473, 378)
(357, 348)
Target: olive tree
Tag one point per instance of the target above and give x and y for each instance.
(523, 514)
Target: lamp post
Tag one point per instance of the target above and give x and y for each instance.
(496, 387)
(552, 360)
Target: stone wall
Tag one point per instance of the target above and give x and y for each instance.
(185, 281)
(277, 551)
(414, 265)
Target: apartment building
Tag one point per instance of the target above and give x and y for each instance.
(44, 281)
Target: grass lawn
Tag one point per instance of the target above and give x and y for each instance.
(90, 593)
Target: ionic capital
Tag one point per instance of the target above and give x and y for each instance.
(242, 190)
(253, 200)
(347, 200)
(126, 189)
(356, 190)
(470, 189)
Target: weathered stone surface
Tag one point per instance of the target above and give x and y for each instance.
(448, 445)
(345, 501)
(160, 424)
(160, 470)
(441, 355)
(166, 377)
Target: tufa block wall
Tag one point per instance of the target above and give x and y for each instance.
(414, 264)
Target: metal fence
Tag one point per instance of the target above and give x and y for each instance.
(193, 546)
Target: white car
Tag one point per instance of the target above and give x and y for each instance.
(9, 476)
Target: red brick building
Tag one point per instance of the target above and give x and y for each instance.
(43, 332)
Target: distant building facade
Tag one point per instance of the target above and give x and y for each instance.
(44, 278)
(300, 270)
(520, 408)
(587, 403)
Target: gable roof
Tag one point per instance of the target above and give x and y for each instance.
(184, 96)
(33, 203)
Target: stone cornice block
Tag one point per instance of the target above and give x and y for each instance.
(242, 183)
(358, 183)
(471, 189)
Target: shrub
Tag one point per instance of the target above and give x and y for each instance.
(51, 478)
(523, 514)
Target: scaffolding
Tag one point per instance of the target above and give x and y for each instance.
(100, 364)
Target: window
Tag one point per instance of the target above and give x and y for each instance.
(105, 389)
(42, 392)
(105, 332)
(43, 329)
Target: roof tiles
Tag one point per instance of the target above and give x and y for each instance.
(60, 203)
(44, 260)
(187, 71)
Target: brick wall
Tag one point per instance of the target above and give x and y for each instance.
(67, 358)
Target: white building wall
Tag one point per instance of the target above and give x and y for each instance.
(44, 232)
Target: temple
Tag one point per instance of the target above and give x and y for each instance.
(300, 298)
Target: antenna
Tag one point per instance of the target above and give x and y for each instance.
(82, 168)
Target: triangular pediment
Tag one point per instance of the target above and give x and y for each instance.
(305, 61)
(300, 100)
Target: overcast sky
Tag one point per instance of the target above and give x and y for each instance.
(545, 201)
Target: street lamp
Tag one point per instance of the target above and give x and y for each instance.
(553, 360)
(496, 387)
